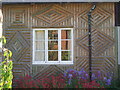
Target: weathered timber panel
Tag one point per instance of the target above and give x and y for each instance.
(19, 20)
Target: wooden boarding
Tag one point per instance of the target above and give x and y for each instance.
(19, 20)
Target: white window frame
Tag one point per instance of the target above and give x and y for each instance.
(59, 47)
(118, 28)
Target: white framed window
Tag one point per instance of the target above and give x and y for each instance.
(53, 46)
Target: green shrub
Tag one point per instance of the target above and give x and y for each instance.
(6, 67)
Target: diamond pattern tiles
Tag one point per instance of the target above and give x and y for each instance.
(21, 69)
(20, 48)
(99, 16)
(103, 64)
(53, 14)
(47, 71)
(18, 45)
(100, 42)
(82, 62)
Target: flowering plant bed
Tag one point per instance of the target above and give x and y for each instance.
(70, 79)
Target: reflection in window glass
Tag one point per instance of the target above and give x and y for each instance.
(65, 44)
(52, 45)
(65, 34)
(65, 56)
(39, 56)
(53, 34)
(53, 55)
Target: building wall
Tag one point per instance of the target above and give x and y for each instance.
(20, 19)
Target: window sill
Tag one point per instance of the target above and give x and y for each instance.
(62, 63)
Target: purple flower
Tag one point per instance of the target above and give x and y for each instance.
(79, 72)
(83, 77)
(87, 75)
(69, 81)
(99, 73)
(105, 78)
(93, 76)
(108, 82)
(65, 74)
(82, 70)
(70, 78)
(71, 70)
(70, 75)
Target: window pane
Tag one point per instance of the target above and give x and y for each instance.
(40, 45)
(52, 34)
(52, 45)
(40, 56)
(65, 44)
(52, 55)
(65, 56)
(66, 34)
(40, 35)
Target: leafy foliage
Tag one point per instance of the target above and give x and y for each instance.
(70, 79)
(54, 81)
(6, 67)
(80, 79)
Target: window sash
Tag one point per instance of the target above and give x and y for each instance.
(118, 45)
(59, 46)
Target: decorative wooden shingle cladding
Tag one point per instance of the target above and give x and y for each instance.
(19, 20)
(18, 34)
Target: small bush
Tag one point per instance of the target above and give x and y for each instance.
(70, 79)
